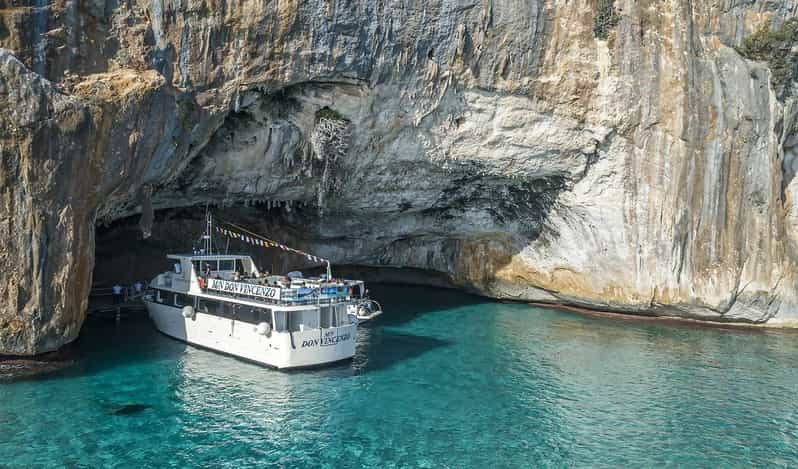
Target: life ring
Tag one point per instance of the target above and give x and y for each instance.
(201, 283)
(188, 312)
(264, 328)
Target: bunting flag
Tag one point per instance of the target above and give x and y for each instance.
(268, 243)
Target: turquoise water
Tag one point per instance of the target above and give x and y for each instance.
(441, 380)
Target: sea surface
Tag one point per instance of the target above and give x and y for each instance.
(442, 379)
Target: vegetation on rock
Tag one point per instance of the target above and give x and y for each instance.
(330, 138)
(605, 19)
(775, 46)
(329, 141)
(329, 114)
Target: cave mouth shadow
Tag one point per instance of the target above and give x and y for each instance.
(102, 344)
(518, 209)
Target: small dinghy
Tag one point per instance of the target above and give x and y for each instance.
(364, 310)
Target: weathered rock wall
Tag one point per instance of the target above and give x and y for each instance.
(638, 163)
(62, 155)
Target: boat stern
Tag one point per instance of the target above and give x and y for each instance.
(318, 346)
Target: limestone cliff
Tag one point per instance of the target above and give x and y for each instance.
(629, 155)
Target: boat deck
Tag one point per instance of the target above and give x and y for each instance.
(279, 290)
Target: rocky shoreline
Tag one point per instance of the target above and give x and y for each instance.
(14, 368)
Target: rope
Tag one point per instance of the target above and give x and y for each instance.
(267, 241)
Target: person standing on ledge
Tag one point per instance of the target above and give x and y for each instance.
(117, 292)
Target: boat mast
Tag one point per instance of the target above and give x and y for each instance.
(208, 231)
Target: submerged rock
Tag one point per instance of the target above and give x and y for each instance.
(625, 156)
(129, 409)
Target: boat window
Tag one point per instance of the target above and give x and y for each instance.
(248, 314)
(294, 319)
(327, 318)
(236, 312)
(227, 264)
(181, 300)
(280, 321)
(205, 264)
(226, 310)
(266, 315)
(158, 296)
(209, 307)
(341, 318)
(303, 320)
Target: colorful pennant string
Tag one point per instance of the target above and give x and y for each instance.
(267, 243)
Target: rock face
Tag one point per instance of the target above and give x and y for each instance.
(631, 155)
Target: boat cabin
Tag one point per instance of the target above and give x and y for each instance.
(236, 277)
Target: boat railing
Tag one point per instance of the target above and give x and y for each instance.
(287, 297)
(271, 293)
(172, 280)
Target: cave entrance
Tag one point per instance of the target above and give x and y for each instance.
(123, 256)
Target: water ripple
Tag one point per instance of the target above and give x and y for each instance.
(442, 380)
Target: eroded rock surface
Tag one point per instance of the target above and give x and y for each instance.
(630, 155)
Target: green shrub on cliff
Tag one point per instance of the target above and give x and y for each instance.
(331, 114)
(605, 18)
(775, 46)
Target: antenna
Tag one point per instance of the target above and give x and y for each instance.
(208, 231)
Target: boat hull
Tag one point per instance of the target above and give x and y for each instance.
(361, 318)
(280, 350)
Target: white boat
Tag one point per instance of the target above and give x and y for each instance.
(224, 303)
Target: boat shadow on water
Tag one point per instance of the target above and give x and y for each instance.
(380, 349)
(405, 303)
(377, 349)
